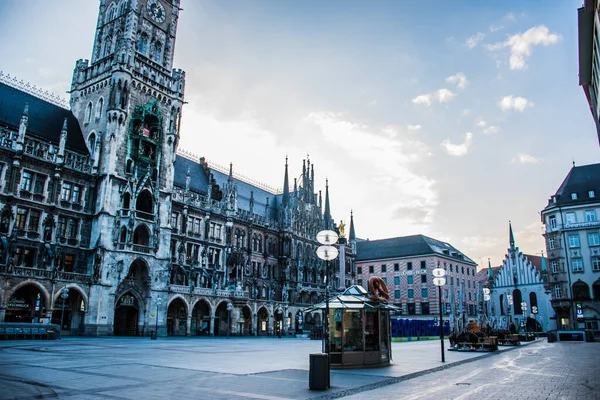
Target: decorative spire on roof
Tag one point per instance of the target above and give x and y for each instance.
(544, 268)
(251, 203)
(62, 143)
(490, 271)
(511, 236)
(352, 235)
(285, 202)
(327, 208)
(188, 179)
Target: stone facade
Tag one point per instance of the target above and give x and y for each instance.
(143, 235)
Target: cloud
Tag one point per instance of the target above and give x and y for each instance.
(441, 96)
(386, 157)
(490, 130)
(459, 79)
(424, 99)
(480, 122)
(523, 158)
(474, 40)
(520, 44)
(516, 103)
(414, 127)
(458, 149)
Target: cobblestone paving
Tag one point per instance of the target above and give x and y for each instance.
(568, 370)
(268, 369)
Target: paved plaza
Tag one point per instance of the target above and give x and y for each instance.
(271, 368)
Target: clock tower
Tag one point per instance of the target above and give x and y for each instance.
(128, 101)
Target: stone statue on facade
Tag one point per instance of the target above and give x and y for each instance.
(284, 293)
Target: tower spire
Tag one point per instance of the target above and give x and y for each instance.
(327, 208)
(511, 237)
(490, 271)
(286, 186)
(352, 235)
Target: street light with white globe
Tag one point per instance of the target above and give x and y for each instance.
(439, 280)
(327, 252)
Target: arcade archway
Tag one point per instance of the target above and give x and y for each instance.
(73, 313)
(127, 313)
(246, 323)
(201, 319)
(177, 318)
(262, 321)
(221, 320)
(27, 304)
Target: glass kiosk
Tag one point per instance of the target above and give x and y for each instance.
(359, 333)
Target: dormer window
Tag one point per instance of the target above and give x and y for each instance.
(592, 194)
(573, 196)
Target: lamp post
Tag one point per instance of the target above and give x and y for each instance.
(64, 295)
(229, 308)
(158, 303)
(439, 280)
(327, 252)
(486, 299)
(279, 322)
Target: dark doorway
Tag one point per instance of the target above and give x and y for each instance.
(126, 316)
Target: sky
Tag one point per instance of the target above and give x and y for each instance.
(442, 118)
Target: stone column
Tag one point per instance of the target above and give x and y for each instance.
(270, 325)
(253, 325)
(2, 313)
(212, 326)
(188, 325)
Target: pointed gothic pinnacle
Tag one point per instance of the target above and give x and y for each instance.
(26, 110)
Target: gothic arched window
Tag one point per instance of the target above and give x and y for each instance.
(143, 43)
(107, 46)
(156, 51)
(92, 142)
(99, 108)
(88, 113)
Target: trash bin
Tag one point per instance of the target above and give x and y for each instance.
(551, 336)
(153, 335)
(318, 373)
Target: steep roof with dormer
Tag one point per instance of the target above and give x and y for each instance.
(580, 180)
(407, 246)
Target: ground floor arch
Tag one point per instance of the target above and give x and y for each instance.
(245, 321)
(262, 322)
(28, 303)
(69, 313)
(177, 317)
(127, 314)
(222, 320)
(200, 323)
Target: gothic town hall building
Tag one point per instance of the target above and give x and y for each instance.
(97, 203)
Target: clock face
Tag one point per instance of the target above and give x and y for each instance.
(156, 11)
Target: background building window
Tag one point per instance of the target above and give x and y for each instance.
(411, 293)
(409, 279)
(383, 268)
(423, 265)
(577, 264)
(371, 269)
(21, 218)
(570, 218)
(573, 241)
(425, 308)
(396, 294)
(595, 264)
(423, 278)
(409, 266)
(424, 293)
(396, 267)
(557, 292)
(554, 265)
(593, 239)
(396, 280)
(359, 270)
(590, 216)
